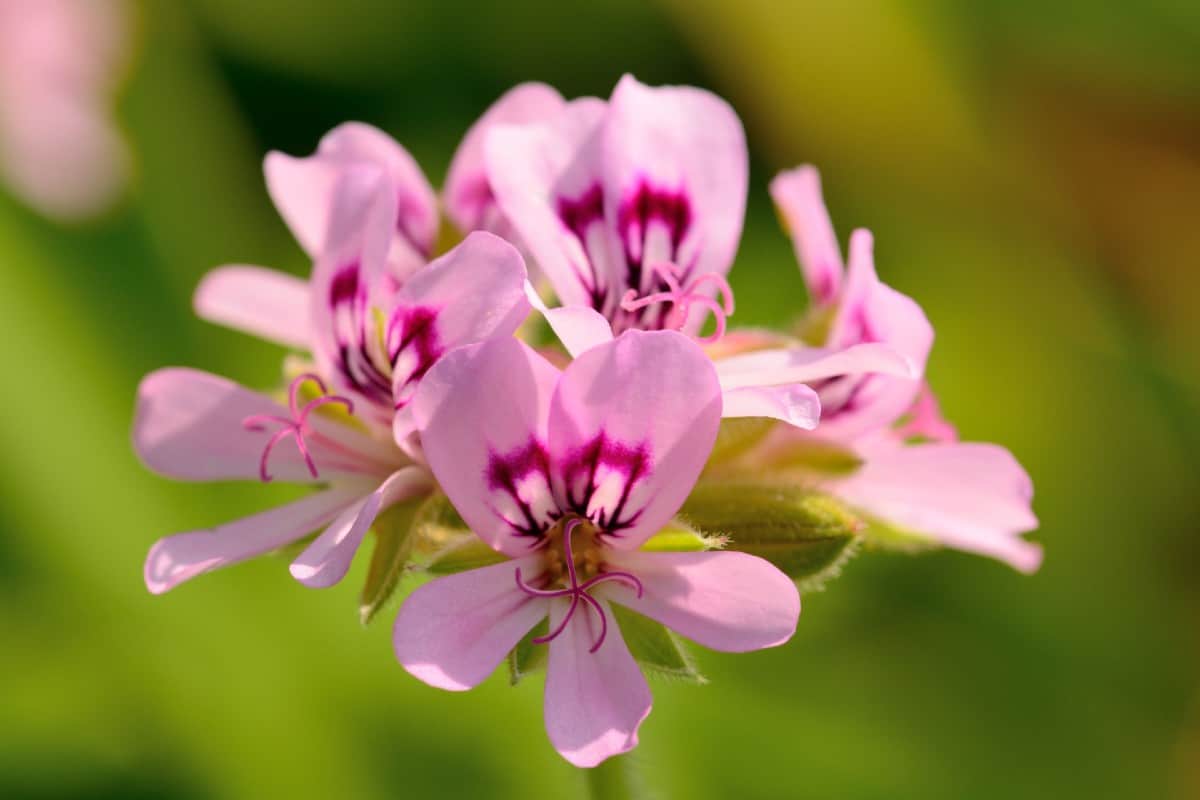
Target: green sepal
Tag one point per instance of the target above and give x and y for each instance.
(393, 531)
(438, 525)
(461, 554)
(819, 457)
(806, 534)
(737, 436)
(527, 658)
(655, 647)
(679, 537)
(880, 535)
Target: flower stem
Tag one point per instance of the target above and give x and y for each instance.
(614, 779)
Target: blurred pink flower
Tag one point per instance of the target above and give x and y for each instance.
(974, 497)
(60, 62)
(569, 474)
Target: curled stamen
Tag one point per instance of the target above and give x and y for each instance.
(577, 591)
(297, 425)
(683, 297)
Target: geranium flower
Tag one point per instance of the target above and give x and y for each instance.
(568, 474)
(970, 496)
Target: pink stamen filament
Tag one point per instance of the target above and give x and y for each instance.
(682, 298)
(297, 425)
(578, 591)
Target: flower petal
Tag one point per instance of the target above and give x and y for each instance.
(326, 561)
(467, 194)
(183, 556)
(302, 190)
(796, 404)
(547, 182)
(728, 601)
(631, 425)
(482, 412)
(474, 292)
(807, 364)
(969, 496)
(797, 195)
(454, 631)
(260, 301)
(676, 173)
(578, 328)
(595, 702)
(189, 425)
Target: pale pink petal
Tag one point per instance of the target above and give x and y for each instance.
(595, 702)
(326, 561)
(969, 496)
(797, 196)
(190, 425)
(727, 601)
(416, 219)
(578, 328)
(808, 364)
(925, 419)
(547, 181)
(631, 425)
(302, 190)
(871, 311)
(467, 194)
(260, 301)
(183, 556)
(482, 413)
(796, 404)
(454, 631)
(675, 178)
(474, 292)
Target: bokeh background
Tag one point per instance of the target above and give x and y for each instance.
(1032, 174)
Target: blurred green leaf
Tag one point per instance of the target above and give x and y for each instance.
(527, 658)
(393, 547)
(805, 533)
(655, 647)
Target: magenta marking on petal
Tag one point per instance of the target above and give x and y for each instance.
(577, 591)
(647, 204)
(412, 329)
(297, 426)
(578, 215)
(581, 469)
(682, 297)
(506, 472)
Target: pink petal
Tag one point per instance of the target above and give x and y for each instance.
(263, 302)
(969, 496)
(189, 425)
(728, 601)
(467, 194)
(183, 556)
(796, 404)
(684, 147)
(326, 561)
(797, 195)
(631, 425)
(302, 190)
(871, 311)
(482, 414)
(578, 328)
(454, 631)
(546, 179)
(595, 702)
(474, 292)
(808, 364)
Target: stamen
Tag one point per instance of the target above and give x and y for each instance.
(682, 298)
(297, 425)
(577, 591)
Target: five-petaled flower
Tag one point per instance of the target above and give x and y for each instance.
(568, 474)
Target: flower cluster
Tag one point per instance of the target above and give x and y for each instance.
(587, 478)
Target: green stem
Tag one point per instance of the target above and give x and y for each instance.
(615, 779)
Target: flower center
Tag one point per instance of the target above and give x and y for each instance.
(297, 425)
(683, 296)
(561, 556)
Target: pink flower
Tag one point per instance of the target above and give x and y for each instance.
(361, 181)
(568, 473)
(194, 426)
(60, 62)
(973, 497)
(633, 209)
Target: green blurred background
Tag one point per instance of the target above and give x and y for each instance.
(1032, 174)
